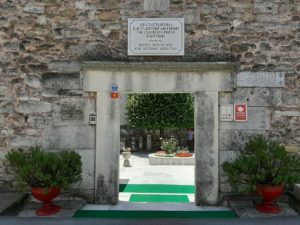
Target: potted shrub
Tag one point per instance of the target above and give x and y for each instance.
(183, 152)
(46, 173)
(265, 166)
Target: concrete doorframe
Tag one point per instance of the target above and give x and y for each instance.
(203, 79)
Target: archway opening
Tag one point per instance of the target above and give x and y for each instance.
(157, 131)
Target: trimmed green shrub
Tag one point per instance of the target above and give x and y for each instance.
(262, 161)
(155, 111)
(39, 168)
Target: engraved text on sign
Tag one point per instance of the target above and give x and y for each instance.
(156, 36)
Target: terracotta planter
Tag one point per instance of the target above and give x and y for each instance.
(268, 195)
(46, 195)
(184, 154)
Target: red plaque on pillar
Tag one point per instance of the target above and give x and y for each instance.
(114, 95)
(240, 112)
(114, 92)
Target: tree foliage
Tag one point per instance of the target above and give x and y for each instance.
(155, 111)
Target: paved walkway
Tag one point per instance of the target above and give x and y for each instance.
(141, 172)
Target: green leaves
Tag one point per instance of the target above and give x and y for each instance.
(169, 145)
(262, 161)
(39, 168)
(154, 111)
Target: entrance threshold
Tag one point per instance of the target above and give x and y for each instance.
(154, 210)
(129, 206)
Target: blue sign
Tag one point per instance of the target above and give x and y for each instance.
(114, 88)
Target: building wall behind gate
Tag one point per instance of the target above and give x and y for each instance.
(42, 45)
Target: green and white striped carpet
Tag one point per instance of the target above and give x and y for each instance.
(156, 192)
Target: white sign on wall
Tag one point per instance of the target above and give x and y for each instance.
(156, 36)
(226, 112)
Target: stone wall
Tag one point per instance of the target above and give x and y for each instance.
(43, 42)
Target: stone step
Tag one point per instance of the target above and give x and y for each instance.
(11, 202)
(68, 203)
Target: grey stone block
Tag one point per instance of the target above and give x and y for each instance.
(287, 113)
(61, 83)
(291, 98)
(32, 81)
(69, 137)
(234, 140)
(24, 141)
(83, 5)
(265, 7)
(6, 107)
(33, 106)
(192, 16)
(156, 5)
(260, 79)
(253, 96)
(37, 120)
(73, 111)
(3, 88)
(208, 41)
(64, 66)
(34, 8)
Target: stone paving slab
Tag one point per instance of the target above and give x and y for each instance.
(9, 200)
(69, 205)
(251, 212)
(244, 206)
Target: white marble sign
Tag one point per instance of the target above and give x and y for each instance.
(260, 79)
(156, 36)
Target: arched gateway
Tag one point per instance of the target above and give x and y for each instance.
(205, 80)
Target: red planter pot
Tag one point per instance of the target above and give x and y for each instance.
(184, 154)
(46, 195)
(269, 194)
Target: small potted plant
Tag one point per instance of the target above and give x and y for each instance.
(265, 166)
(46, 173)
(183, 152)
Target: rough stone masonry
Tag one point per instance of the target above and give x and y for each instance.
(43, 43)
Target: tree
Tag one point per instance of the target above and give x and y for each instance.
(156, 111)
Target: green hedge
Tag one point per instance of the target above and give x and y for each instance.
(155, 111)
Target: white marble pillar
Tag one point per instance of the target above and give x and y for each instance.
(107, 149)
(206, 148)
